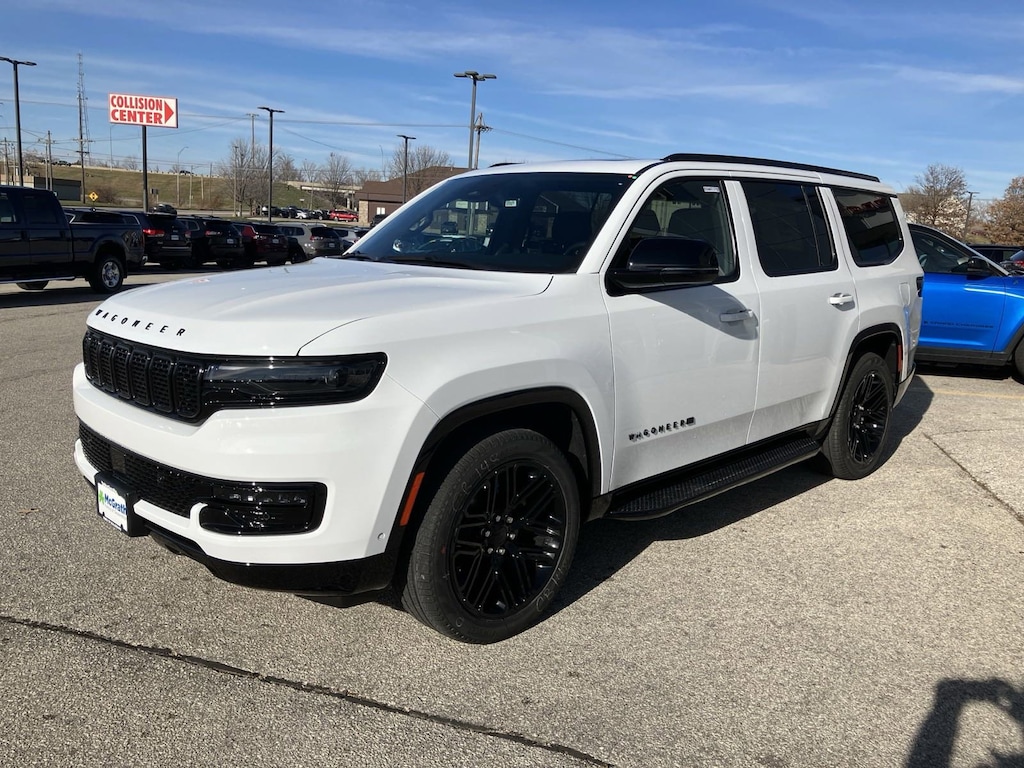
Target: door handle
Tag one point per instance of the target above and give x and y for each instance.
(840, 299)
(737, 316)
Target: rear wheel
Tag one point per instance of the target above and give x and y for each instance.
(107, 274)
(496, 540)
(34, 285)
(855, 443)
(1018, 359)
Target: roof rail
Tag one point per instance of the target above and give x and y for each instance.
(699, 158)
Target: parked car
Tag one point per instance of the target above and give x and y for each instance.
(40, 242)
(1014, 263)
(311, 240)
(996, 253)
(342, 215)
(218, 240)
(268, 244)
(972, 308)
(155, 227)
(164, 208)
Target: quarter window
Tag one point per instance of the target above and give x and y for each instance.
(872, 228)
(789, 228)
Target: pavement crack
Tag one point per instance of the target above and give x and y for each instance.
(1018, 516)
(311, 688)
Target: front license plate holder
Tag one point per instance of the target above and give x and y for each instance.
(115, 503)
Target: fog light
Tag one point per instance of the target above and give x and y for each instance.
(264, 510)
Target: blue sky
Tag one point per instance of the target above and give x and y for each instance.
(882, 88)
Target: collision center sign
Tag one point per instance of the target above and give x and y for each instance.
(126, 109)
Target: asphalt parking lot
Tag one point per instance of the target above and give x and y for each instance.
(798, 621)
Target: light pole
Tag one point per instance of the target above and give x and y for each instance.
(405, 166)
(17, 113)
(270, 165)
(177, 167)
(476, 77)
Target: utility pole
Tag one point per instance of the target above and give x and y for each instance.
(480, 128)
(405, 166)
(967, 218)
(476, 77)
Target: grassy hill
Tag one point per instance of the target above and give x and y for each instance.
(115, 187)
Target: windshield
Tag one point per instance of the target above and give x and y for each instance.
(515, 222)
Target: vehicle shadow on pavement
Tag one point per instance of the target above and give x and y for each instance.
(936, 739)
(55, 295)
(607, 546)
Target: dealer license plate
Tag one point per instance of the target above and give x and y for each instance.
(114, 503)
(230, 241)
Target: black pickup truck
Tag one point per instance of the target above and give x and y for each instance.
(38, 244)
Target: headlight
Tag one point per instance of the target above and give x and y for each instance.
(291, 381)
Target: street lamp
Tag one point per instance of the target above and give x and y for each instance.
(405, 166)
(270, 165)
(17, 113)
(177, 190)
(476, 77)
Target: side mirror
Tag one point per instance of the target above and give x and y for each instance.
(662, 263)
(978, 267)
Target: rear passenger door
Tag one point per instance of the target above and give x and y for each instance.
(685, 359)
(808, 305)
(15, 253)
(49, 233)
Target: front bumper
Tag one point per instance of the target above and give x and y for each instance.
(361, 453)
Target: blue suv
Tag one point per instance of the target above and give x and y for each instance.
(972, 309)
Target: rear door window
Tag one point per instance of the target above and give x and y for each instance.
(790, 230)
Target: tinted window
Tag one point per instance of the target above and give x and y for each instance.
(41, 210)
(789, 228)
(937, 254)
(872, 228)
(7, 214)
(691, 208)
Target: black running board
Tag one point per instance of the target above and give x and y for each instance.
(679, 490)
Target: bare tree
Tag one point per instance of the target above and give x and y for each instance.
(336, 177)
(422, 157)
(246, 170)
(362, 175)
(938, 198)
(130, 163)
(1006, 215)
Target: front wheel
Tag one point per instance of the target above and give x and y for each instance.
(1018, 359)
(496, 540)
(855, 443)
(107, 274)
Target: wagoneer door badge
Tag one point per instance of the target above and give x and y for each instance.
(662, 429)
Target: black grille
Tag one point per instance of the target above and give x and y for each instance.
(149, 377)
(167, 488)
(234, 507)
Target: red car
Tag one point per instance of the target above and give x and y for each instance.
(343, 216)
(269, 244)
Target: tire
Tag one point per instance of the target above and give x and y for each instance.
(34, 285)
(107, 273)
(1018, 359)
(496, 540)
(855, 444)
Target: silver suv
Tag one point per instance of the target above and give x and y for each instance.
(308, 240)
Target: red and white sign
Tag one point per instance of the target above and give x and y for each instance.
(159, 111)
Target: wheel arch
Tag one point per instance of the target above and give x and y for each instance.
(559, 414)
(884, 340)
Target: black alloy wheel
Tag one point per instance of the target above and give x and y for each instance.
(855, 442)
(496, 541)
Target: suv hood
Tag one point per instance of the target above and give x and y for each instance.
(275, 311)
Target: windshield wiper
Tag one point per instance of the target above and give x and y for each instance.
(357, 255)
